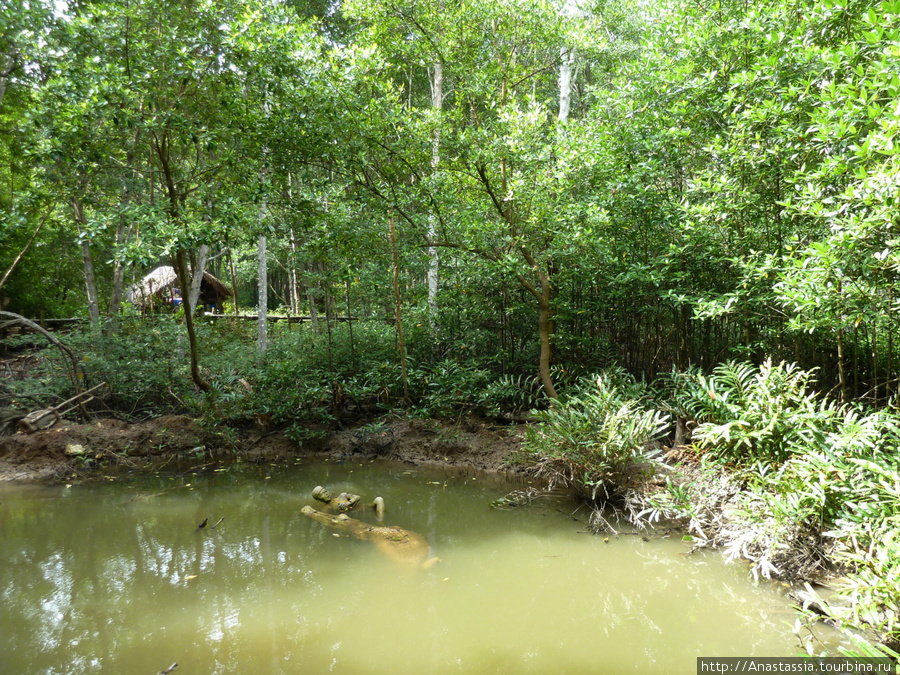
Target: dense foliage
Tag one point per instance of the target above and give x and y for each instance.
(719, 184)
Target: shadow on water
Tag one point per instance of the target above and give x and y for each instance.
(119, 577)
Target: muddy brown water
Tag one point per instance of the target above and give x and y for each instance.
(117, 578)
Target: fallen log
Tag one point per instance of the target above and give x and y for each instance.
(402, 546)
(39, 419)
(47, 417)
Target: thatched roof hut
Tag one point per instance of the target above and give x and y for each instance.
(161, 286)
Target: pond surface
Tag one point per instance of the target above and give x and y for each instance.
(118, 578)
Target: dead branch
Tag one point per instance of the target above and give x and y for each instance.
(41, 419)
(75, 373)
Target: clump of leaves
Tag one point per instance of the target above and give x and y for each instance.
(591, 438)
(512, 393)
(446, 387)
(765, 413)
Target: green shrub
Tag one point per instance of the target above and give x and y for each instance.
(765, 413)
(594, 435)
(512, 393)
(446, 387)
(145, 363)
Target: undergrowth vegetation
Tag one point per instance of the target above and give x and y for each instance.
(304, 375)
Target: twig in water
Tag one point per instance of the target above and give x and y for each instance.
(169, 669)
(218, 522)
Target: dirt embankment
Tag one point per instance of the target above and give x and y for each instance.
(174, 442)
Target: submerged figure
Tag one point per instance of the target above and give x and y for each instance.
(398, 544)
(346, 501)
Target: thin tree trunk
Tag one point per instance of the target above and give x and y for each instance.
(565, 85)
(544, 296)
(329, 310)
(294, 290)
(89, 280)
(437, 98)
(263, 299)
(875, 358)
(842, 376)
(856, 361)
(22, 253)
(292, 260)
(123, 234)
(10, 64)
(545, 324)
(180, 264)
(396, 282)
(350, 327)
(233, 281)
(890, 347)
(197, 276)
(160, 147)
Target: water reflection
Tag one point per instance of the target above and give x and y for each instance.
(119, 578)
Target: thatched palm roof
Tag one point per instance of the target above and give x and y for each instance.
(159, 282)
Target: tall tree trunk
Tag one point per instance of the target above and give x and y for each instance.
(842, 374)
(118, 280)
(890, 345)
(203, 254)
(123, 235)
(263, 298)
(160, 145)
(565, 85)
(233, 281)
(329, 313)
(89, 280)
(350, 326)
(294, 290)
(544, 296)
(262, 271)
(179, 262)
(437, 99)
(22, 253)
(545, 331)
(11, 62)
(292, 259)
(396, 282)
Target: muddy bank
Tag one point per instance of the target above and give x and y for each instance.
(107, 447)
